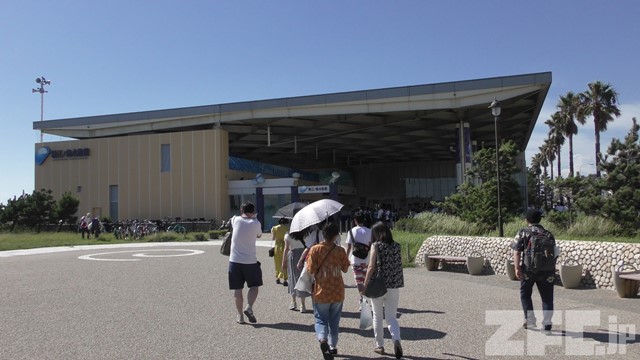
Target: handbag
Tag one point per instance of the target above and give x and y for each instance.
(225, 249)
(360, 250)
(272, 252)
(366, 315)
(306, 280)
(376, 286)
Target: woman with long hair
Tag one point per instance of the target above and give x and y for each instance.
(389, 253)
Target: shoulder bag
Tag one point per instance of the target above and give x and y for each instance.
(376, 286)
(306, 280)
(360, 250)
(225, 249)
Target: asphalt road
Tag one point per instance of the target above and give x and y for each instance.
(171, 301)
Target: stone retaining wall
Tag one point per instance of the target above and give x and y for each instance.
(597, 258)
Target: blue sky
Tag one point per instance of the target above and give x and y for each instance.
(124, 56)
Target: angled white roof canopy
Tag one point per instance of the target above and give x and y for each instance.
(410, 123)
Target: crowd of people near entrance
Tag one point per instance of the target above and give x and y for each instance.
(384, 213)
(369, 249)
(317, 250)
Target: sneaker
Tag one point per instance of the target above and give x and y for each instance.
(547, 328)
(326, 352)
(379, 350)
(529, 325)
(250, 316)
(303, 308)
(277, 281)
(397, 349)
(285, 283)
(292, 305)
(334, 351)
(240, 320)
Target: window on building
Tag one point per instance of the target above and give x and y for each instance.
(113, 202)
(165, 157)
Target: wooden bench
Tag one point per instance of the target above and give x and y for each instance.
(475, 264)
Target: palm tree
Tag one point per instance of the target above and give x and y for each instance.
(568, 107)
(556, 136)
(549, 152)
(543, 162)
(600, 101)
(536, 164)
(535, 171)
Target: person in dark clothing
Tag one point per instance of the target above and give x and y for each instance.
(95, 227)
(544, 281)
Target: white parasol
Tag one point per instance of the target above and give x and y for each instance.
(314, 213)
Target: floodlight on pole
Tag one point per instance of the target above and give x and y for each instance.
(495, 111)
(42, 81)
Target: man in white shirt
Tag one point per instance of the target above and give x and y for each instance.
(84, 225)
(360, 234)
(244, 266)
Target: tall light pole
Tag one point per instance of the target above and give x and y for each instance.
(495, 111)
(42, 81)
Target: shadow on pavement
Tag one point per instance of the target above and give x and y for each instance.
(603, 337)
(408, 333)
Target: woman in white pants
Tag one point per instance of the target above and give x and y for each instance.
(391, 270)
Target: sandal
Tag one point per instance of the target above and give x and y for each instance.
(379, 350)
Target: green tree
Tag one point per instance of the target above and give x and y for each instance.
(601, 102)
(556, 137)
(477, 203)
(549, 152)
(622, 181)
(66, 209)
(39, 209)
(568, 107)
(588, 198)
(13, 211)
(534, 183)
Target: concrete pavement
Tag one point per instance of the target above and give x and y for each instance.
(171, 301)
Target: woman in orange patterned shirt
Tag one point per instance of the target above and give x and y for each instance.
(328, 261)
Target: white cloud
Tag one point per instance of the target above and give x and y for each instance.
(584, 141)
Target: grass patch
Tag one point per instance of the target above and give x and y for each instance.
(26, 240)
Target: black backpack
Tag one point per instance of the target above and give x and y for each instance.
(539, 252)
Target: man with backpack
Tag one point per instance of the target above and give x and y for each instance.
(535, 260)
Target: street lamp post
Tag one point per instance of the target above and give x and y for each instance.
(42, 81)
(495, 111)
